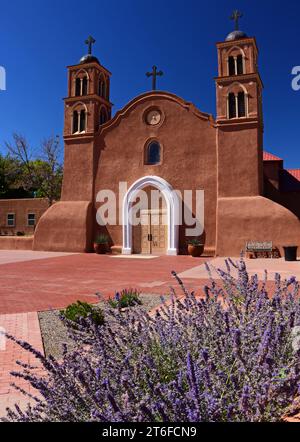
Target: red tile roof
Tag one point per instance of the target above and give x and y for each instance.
(270, 157)
(295, 173)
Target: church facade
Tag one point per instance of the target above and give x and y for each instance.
(160, 141)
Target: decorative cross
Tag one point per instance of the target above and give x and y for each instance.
(90, 41)
(154, 74)
(236, 16)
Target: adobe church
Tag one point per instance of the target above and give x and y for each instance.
(160, 141)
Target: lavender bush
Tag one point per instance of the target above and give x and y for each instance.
(227, 357)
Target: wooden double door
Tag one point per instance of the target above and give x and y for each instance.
(151, 236)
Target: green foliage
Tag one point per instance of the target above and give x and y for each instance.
(165, 360)
(9, 177)
(195, 242)
(50, 183)
(82, 310)
(102, 239)
(40, 176)
(126, 298)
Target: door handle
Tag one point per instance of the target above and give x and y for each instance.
(149, 237)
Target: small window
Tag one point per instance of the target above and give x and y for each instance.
(240, 65)
(75, 122)
(102, 88)
(31, 219)
(84, 86)
(241, 104)
(231, 65)
(77, 87)
(82, 121)
(236, 65)
(153, 153)
(103, 116)
(79, 121)
(81, 86)
(10, 220)
(232, 105)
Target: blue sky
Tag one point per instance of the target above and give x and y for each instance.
(39, 38)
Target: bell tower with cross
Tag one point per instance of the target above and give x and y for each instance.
(239, 115)
(88, 84)
(87, 109)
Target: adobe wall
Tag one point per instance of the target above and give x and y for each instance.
(78, 180)
(290, 200)
(16, 242)
(239, 160)
(65, 227)
(21, 208)
(272, 171)
(188, 141)
(254, 218)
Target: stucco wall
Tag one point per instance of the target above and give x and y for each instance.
(16, 242)
(21, 208)
(78, 182)
(65, 227)
(254, 218)
(240, 171)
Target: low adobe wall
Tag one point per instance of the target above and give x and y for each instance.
(65, 227)
(16, 242)
(254, 218)
(20, 208)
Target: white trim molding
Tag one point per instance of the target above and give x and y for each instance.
(173, 207)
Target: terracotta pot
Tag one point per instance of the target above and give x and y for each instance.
(100, 249)
(195, 251)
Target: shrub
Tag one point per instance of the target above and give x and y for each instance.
(126, 298)
(195, 242)
(230, 356)
(101, 239)
(74, 313)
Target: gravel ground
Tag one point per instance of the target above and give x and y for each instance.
(54, 332)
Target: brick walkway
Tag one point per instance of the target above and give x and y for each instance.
(24, 326)
(43, 284)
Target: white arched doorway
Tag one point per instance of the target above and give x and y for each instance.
(172, 204)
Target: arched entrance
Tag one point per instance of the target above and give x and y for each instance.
(172, 212)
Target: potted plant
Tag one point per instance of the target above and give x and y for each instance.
(290, 253)
(195, 247)
(100, 244)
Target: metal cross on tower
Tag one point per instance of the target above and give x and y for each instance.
(90, 41)
(154, 74)
(236, 16)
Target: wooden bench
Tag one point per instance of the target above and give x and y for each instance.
(261, 249)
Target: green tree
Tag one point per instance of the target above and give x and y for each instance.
(9, 177)
(42, 175)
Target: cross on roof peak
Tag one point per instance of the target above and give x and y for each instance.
(236, 15)
(155, 73)
(90, 41)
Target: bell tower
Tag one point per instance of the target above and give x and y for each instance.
(87, 108)
(239, 116)
(68, 224)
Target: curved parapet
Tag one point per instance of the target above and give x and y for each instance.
(154, 95)
(254, 219)
(65, 227)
